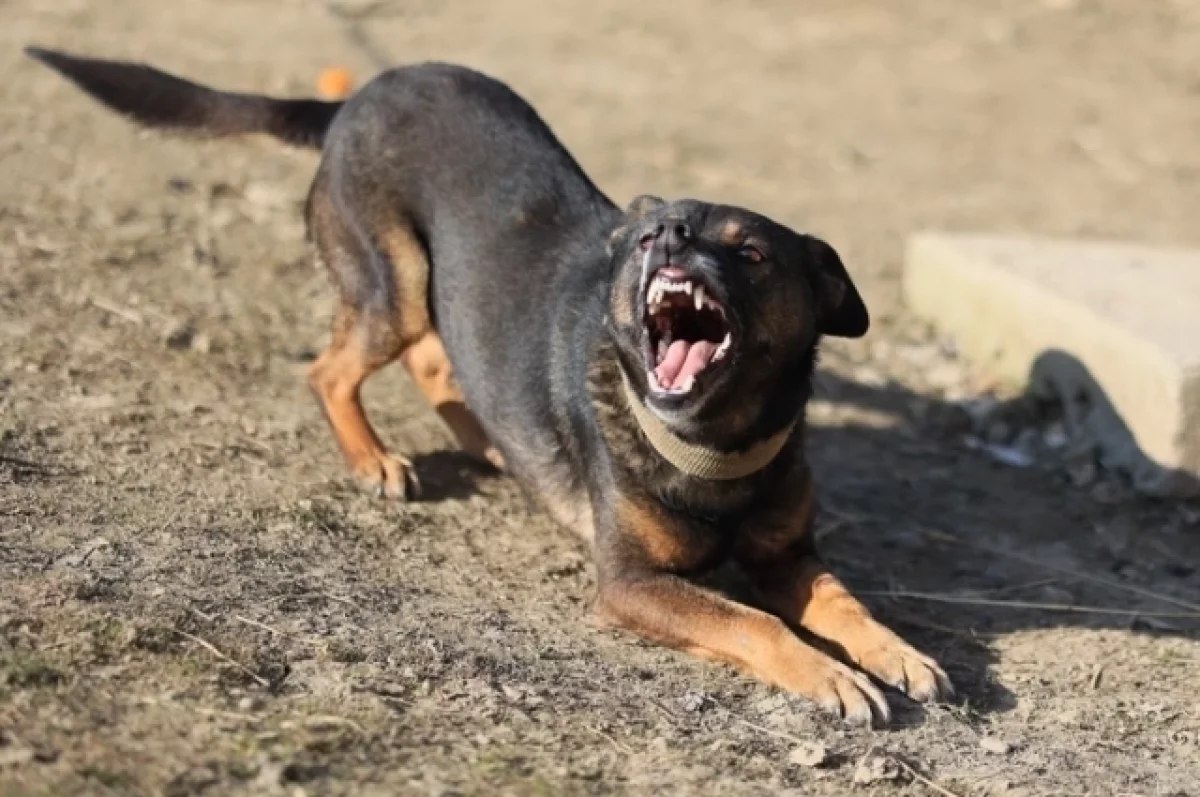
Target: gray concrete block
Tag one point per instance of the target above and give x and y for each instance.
(1117, 322)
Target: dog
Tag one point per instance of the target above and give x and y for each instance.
(642, 373)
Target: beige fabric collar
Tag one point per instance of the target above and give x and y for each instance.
(699, 461)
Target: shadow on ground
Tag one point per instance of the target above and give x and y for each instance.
(930, 535)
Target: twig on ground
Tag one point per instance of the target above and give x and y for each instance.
(317, 720)
(229, 715)
(1076, 574)
(257, 624)
(1015, 604)
(825, 529)
(620, 748)
(761, 729)
(211, 648)
(313, 594)
(917, 776)
(131, 316)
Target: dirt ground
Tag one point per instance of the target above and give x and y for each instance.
(194, 599)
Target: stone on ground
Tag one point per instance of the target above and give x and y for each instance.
(1113, 329)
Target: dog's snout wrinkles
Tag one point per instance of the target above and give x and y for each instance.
(673, 234)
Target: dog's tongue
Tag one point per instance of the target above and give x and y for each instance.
(684, 359)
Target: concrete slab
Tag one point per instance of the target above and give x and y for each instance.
(1110, 327)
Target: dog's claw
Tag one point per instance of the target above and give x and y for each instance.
(945, 685)
(388, 476)
(908, 671)
(851, 696)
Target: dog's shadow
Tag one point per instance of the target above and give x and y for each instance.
(449, 474)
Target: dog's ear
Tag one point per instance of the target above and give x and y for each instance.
(840, 310)
(641, 206)
(638, 208)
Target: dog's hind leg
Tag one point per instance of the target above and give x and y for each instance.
(369, 331)
(427, 362)
(383, 280)
(361, 345)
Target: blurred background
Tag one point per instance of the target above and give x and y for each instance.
(857, 120)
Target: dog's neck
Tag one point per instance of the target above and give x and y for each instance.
(699, 461)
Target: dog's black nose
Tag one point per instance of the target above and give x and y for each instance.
(673, 234)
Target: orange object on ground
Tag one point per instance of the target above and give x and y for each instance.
(335, 83)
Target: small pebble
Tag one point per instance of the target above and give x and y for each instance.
(995, 745)
(694, 701)
(874, 770)
(810, 754)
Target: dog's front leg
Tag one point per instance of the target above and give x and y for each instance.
(670, 610)
(801, 589)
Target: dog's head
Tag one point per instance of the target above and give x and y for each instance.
(717, 311)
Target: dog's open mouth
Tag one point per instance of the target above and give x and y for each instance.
(687, 331)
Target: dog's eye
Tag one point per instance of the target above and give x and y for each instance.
(751, 253)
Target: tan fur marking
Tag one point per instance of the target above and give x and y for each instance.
(411, 268)
(664, 544)
(732, 234)
(430, 368)
(336, 377)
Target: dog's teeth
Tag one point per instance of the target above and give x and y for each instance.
(686, 386)
(720, 352)
(698, 297)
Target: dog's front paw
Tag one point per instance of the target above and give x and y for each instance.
(843, 692)
(386, 476)
(898, 664)
(836, 688)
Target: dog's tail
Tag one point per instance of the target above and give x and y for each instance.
(155, 99)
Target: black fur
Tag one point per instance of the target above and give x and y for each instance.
(156, 99)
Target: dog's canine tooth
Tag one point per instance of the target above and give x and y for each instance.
(724, 347)
(698, 297)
